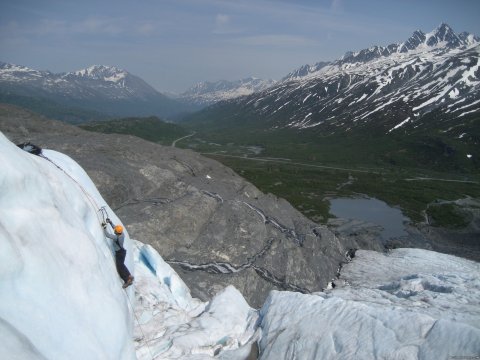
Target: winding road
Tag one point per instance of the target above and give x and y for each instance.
(437, 179)
(289, 162)
(174, 143)
(370, 171)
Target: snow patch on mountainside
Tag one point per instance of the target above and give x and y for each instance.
(400, 125)
(427, 73)
(207, 93)
(17, 73)
(101, 72)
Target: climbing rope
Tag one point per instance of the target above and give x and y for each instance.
(140, 327)
(104, 216)
(90, 199)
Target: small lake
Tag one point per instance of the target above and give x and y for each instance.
(373, 211)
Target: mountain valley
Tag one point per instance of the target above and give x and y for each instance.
(337, 133)
(240, 180)
(377, 120)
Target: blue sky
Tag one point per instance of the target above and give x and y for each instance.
(173, 44)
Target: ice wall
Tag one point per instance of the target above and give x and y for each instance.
(173, 325)
(60, 295)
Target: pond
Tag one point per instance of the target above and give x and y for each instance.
(371, 210)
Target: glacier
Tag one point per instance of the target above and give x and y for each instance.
(61, 297)
(407, 304)
(173, 325)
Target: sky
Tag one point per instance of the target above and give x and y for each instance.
(173, 44)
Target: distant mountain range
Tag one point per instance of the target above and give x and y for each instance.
(101, 90)
(428, 85)
(208, 93)
(394, 87)
(104, 89)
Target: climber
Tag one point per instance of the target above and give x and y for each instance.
(118, 237)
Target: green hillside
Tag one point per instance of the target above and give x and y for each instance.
(405, 169)
(150, 128)
(425, 147)
(52, 109)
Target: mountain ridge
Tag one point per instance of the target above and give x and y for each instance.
(379, 89)
(106, 89)
(443, 36)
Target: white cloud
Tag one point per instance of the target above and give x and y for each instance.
(146, 28)
(89, 25)
(327, 16)
(50, 26)
(99, 25)
(274, 40)
(336, 5)
(223, 25)
(222, 20)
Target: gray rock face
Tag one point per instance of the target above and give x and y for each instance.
(214, 227)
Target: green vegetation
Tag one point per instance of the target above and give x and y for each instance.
(308, 188)
(447, 215)
(407, 170)
(436, 143)
(52, 109)
(434, 152)
(150, 128)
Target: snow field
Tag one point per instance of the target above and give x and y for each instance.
(409, 304)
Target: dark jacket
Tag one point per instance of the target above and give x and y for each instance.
(117, 239)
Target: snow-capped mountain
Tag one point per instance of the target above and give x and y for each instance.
(306, 70)
(101, 72)
(102, 88)
(207, 93)
(106, 82)
(386, 89)
(61, 297)
(113, 82)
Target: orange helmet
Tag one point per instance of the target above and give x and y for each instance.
(118, 229)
